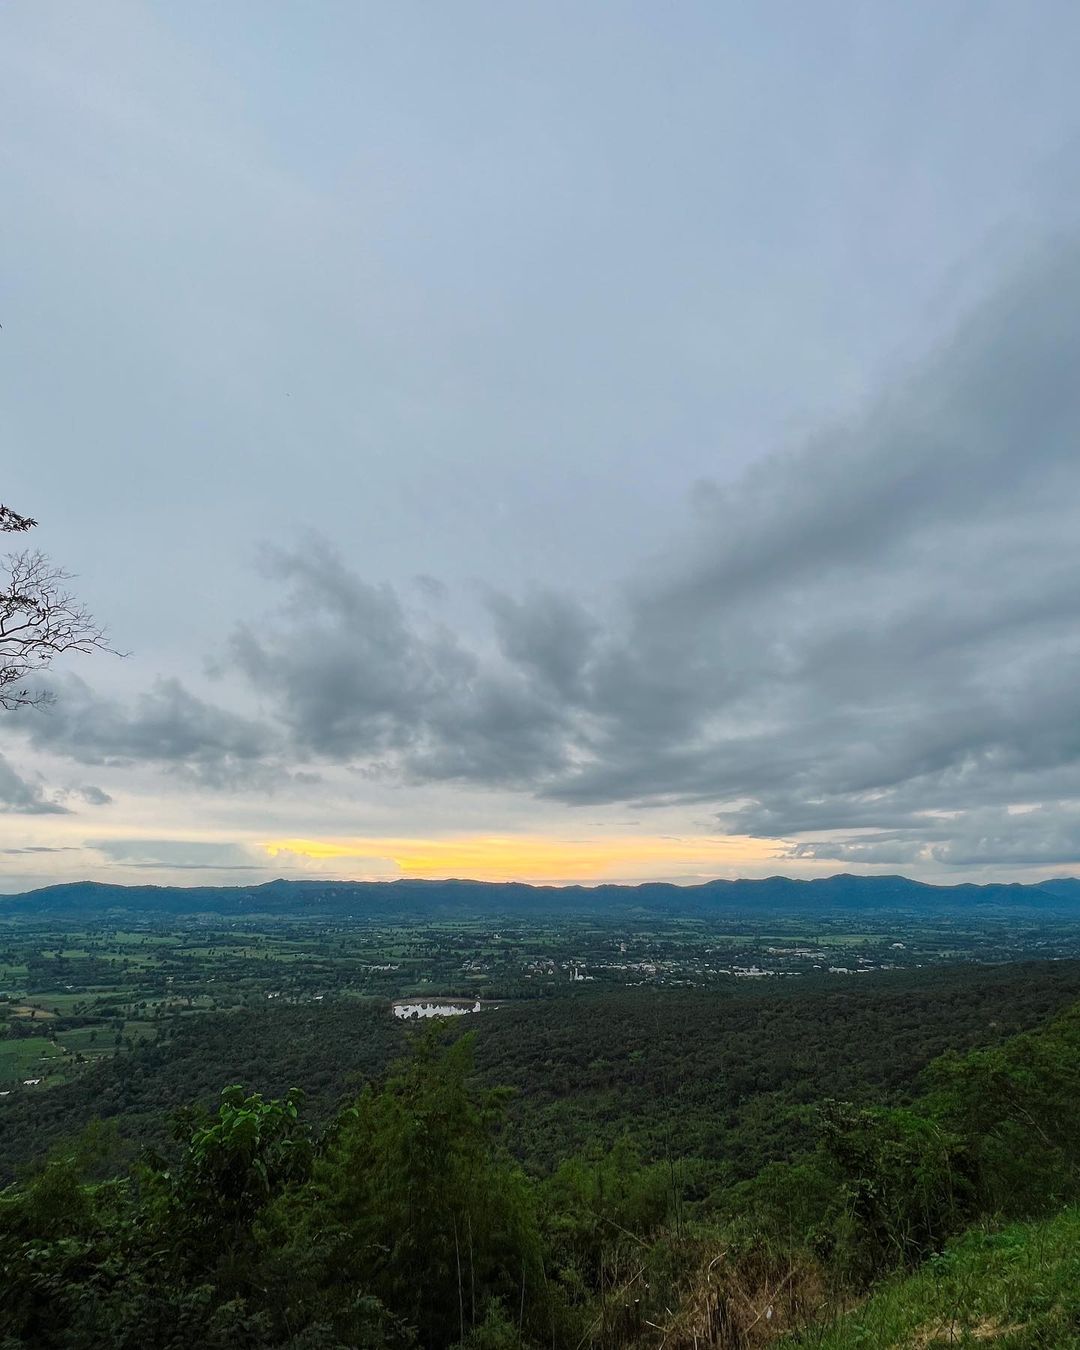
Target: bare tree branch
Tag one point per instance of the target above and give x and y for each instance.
(39, 619)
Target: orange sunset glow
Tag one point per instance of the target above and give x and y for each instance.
(535, 858)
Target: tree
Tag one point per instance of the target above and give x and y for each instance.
(904, 1184)
(233, 1165)
(413, 1201)
(39, 618)
(12, 523)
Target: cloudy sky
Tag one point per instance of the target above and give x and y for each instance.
(559, 441)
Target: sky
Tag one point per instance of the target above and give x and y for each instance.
(558, 442)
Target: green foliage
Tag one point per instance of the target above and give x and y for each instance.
(231, 1167)
(413, 1189)
(600, 1206)
(997, 1136)
(902, 1185)
(408, 1224)
(789, 1205)
(724, 1080)
(1016, 1289)
(1015, 1106)
(496, 1332)
(164, 1259)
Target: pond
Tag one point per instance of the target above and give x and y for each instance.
(430, 1008)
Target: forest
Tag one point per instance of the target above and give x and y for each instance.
(641, 1167)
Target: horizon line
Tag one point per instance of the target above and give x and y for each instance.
(536, 885)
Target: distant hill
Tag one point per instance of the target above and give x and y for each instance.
(447, 899)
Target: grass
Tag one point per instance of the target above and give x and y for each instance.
(31, 1012)
(78, 1041)
(1015, 1289)
(52, 1000)
(25, 1058)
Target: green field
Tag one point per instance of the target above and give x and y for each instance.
(27, 1058)
(104, 989)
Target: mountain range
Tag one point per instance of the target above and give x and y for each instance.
(417, 899)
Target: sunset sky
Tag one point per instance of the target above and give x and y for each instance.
(556, 442)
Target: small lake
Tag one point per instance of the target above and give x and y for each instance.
(426, 1008)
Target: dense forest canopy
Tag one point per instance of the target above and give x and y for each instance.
(406, 1221)
(721, 1079)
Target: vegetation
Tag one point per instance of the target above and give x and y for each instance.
(1017, 1288)
(406, 1220)
(98, 988)
(657, 1131)
(723, 1083)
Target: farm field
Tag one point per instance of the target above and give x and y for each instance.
(71, 996)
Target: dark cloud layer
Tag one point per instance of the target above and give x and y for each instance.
(872, 641)
(354, 676)
(168, 726)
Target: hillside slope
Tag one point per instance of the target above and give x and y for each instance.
(1016, 1289)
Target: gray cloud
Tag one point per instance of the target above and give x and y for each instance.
(892, 602)
(1045, 835)
(177, 854)
(873, 641)
(549, 637)
(352, 674)
(38, 848)
(167, 726)
(20, 797)
(881, 624)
